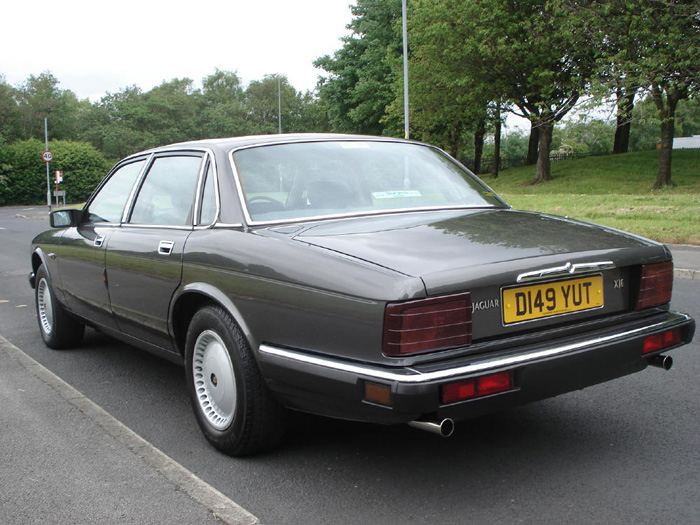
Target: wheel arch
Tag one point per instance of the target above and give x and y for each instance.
(193, 297)
(39, 259)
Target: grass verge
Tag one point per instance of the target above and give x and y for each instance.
(615, 191)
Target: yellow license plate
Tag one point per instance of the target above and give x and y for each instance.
(525, 303)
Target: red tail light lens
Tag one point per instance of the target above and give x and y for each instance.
(477, 387)
(427, 325)
(655, 286)
(656, 342)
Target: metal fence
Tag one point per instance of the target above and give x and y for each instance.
(513, 162)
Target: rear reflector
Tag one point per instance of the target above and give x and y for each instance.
(656, 342)
(477, 387)
(427, 325)
(655, 286)
(380, 394)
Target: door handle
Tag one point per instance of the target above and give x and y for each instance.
(99, 240)
(165, 247)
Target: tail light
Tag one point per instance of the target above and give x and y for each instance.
(477, 387)
(655, 285)
(656, 342)
(427, 325)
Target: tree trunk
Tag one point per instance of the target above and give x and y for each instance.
(667, 111)
(544, 172)
(479, 144)
(496, 147)
(625, 105)
(663, 178)
(532, 145)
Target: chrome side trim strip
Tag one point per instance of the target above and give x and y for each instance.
(567, 269)
(483, 365)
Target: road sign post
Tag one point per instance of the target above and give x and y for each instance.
(48, 157)
(58, 175)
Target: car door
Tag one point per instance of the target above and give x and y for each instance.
(144, 256)
(80, 258)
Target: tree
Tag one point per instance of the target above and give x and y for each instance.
(542, 67)
(525, 53)
(449, 100)
(131, 120)
(645, 132)
(171, 112)
(262, 103)
(655, 45)
(358, 87)
(623, 126)
(9, 112)
(118, 125)
(39, 98)
(584, 136)
(223, 111)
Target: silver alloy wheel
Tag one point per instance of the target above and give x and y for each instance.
(45, 306)
(214, 380)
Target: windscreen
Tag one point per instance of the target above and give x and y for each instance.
(301, 180)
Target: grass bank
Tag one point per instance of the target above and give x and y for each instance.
(615, 190)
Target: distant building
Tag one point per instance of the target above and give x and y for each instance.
(686, 142)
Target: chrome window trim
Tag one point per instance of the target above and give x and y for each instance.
(139, 157)
(209, 159)
(128, 225)
(359, 214)
(167, 152)
(134, 189)
(227, 225)
(479, 366)
(366, 213)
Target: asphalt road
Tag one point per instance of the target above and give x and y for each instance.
(622, 452)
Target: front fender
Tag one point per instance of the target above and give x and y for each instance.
(39, 258)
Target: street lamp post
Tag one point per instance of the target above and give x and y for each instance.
(405, 68)
(279, 102)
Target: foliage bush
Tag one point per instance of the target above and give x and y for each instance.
(23, 171)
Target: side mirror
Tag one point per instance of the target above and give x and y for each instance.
(65, 218)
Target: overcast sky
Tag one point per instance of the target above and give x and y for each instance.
(93, 47)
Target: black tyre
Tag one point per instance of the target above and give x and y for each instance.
(58, 329)
(233, 406)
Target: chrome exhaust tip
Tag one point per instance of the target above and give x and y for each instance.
(661, 361)
(443, 428)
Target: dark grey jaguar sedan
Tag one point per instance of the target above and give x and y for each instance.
(363, 278)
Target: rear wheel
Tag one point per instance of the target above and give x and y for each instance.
(58, 329)
(233, 406)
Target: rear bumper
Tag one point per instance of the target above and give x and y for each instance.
(335, 387)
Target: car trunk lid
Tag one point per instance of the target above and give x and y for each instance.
(538, 263)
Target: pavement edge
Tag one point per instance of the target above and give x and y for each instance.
(222, 507)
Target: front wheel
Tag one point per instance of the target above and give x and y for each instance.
(233, 406)
(58, 329)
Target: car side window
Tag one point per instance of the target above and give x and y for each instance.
(207, 214)
(167, 194)
(108, 204)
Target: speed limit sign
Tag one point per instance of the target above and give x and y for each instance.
(47, 156)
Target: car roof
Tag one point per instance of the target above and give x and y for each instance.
(230, 143)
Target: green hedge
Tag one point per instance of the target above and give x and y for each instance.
(23, 171)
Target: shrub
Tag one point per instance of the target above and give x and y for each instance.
(25, 171)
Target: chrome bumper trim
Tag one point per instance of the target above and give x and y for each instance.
(481, 364)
